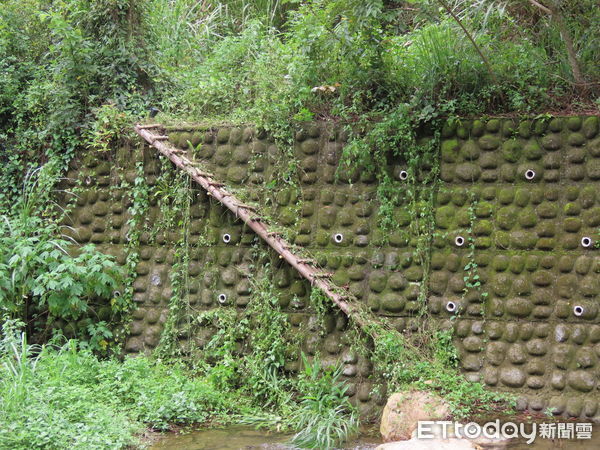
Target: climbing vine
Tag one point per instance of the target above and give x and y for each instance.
(137, 216)
(402, 154)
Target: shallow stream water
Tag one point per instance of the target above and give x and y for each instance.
(240, 437)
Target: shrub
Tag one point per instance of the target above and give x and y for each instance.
(45, 278)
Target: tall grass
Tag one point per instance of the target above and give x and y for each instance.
(325, 416)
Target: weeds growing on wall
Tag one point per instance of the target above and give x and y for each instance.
(406, 167)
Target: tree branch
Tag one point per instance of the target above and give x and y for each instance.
(555, 14)
(470, 37)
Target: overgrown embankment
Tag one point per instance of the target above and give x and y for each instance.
(75, 75)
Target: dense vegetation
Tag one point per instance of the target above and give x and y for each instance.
(75, 74)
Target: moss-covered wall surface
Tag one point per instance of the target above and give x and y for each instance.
(517, 205)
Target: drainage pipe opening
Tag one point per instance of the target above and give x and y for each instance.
(529, 174)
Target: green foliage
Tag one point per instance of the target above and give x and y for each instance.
(108, 129)
(65, 59)
(427, 359)
(45, 278)
(261, 329)
(246, 354)
(325, 416)
(61, 397)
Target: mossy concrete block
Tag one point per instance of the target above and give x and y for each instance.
(592, 217)
(576, 139)
(525, 128)
(377, 281)
(582, 380)
(223, 135)
(470, 151)
(592, 168)
(450, 150)
(512, 150)
(237, 174)
(552, 142)
(590, 126)
(489, 142)
(523, 240)
(393, 303)
(519, 307)
(506, 217)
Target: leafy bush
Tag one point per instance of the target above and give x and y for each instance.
(46, 280)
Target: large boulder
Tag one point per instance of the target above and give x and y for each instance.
(404, 410)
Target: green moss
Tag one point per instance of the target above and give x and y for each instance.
(523, 240)
(506, 195)
(483, 242)
(478, 128)
(593, 169)
(572, 209)
(591, 126)
(574, 123)
(528, 218)
(462, 130)
(449, 128)
(576, 139)
(223, 135)
(377, 281)
(524, 129)
(533, 151)
(502, 239)
(483, 228)
(522, 197)
(572, 224)
(459, 197)
(470, 151)
(506, 217)
(556, 124)
(483, 210)
(592, 217)
(500, 263)
(393, 303)
(511, 150)
(493, 125)
(587, 197)
(552, 142)
(489, 142)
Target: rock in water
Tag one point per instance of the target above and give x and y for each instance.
(404, 410)
(431, 444)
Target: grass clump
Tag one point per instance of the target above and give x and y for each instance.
(325, 416)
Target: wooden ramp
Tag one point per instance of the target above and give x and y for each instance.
(306, 267)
